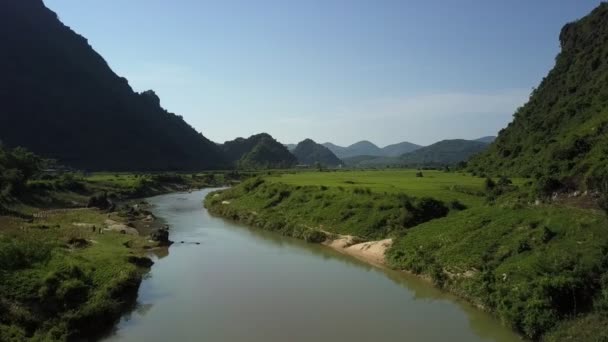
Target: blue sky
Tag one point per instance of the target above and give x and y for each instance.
(331, 70)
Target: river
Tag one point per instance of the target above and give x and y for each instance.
(243, 284)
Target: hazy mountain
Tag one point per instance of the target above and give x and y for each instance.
(290, 147)
(60, 99)
(444, 152)
(359, 148)
(398, 149)
(309, 152)
(488, 140)
(366, 148)
(258, 151)
(562, 132)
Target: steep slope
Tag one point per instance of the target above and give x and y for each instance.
(562, 131)
(444, 152)
(309, 152)
(335, 149)
(488, 139)
(395, 150)
(258, 151)
(61, 99)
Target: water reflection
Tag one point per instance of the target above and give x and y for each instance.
(245, 284)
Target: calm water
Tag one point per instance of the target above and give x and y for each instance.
(242, 284)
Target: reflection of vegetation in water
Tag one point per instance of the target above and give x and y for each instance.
(534, 265)
(483, 324)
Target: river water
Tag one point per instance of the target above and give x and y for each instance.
(242, 284)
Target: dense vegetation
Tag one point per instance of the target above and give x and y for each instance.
(312, 212)
(562, 132)
(532, 266)
(260, 151)
(17, 166)
(309, 152)
(61, 100)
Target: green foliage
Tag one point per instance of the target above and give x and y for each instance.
(561, 133)
(303, 211)
(533, 267)
(52, 291)
(17, 166)
(309, 152)
(259, 151)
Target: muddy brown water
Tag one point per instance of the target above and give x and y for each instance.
(243, 284)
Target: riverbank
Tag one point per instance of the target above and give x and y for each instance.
(539, 267)
(74, 251)
(371, 252)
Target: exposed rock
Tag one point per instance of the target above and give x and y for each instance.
(162, 237)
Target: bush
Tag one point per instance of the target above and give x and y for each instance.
(22, 253)
(457, 205)
(546, 185)
(489, 184)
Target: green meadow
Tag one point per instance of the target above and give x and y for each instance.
(445, 186)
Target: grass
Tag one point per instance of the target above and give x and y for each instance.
(56, 277)
(445, 186)
(295, 209)
(541, 268)
(60, 279)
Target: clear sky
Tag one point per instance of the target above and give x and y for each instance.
(331, 70)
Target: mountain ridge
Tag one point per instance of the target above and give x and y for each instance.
(63, 101)
(560, 135)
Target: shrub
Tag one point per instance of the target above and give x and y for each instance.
(489, 184)
(457, 205)
(546, 185)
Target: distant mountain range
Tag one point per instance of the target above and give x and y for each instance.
(310, 153)
(445, 152)
(366, 148)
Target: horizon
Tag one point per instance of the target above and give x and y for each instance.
(419, 72)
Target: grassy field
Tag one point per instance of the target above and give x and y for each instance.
(542, 268)
(445, 186)
(60, 278)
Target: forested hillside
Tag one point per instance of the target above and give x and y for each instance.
(258, 151)
(445, 152)
(309, 152)
(561, 134)
(61, 100)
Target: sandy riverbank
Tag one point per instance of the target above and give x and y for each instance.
(371, 251)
